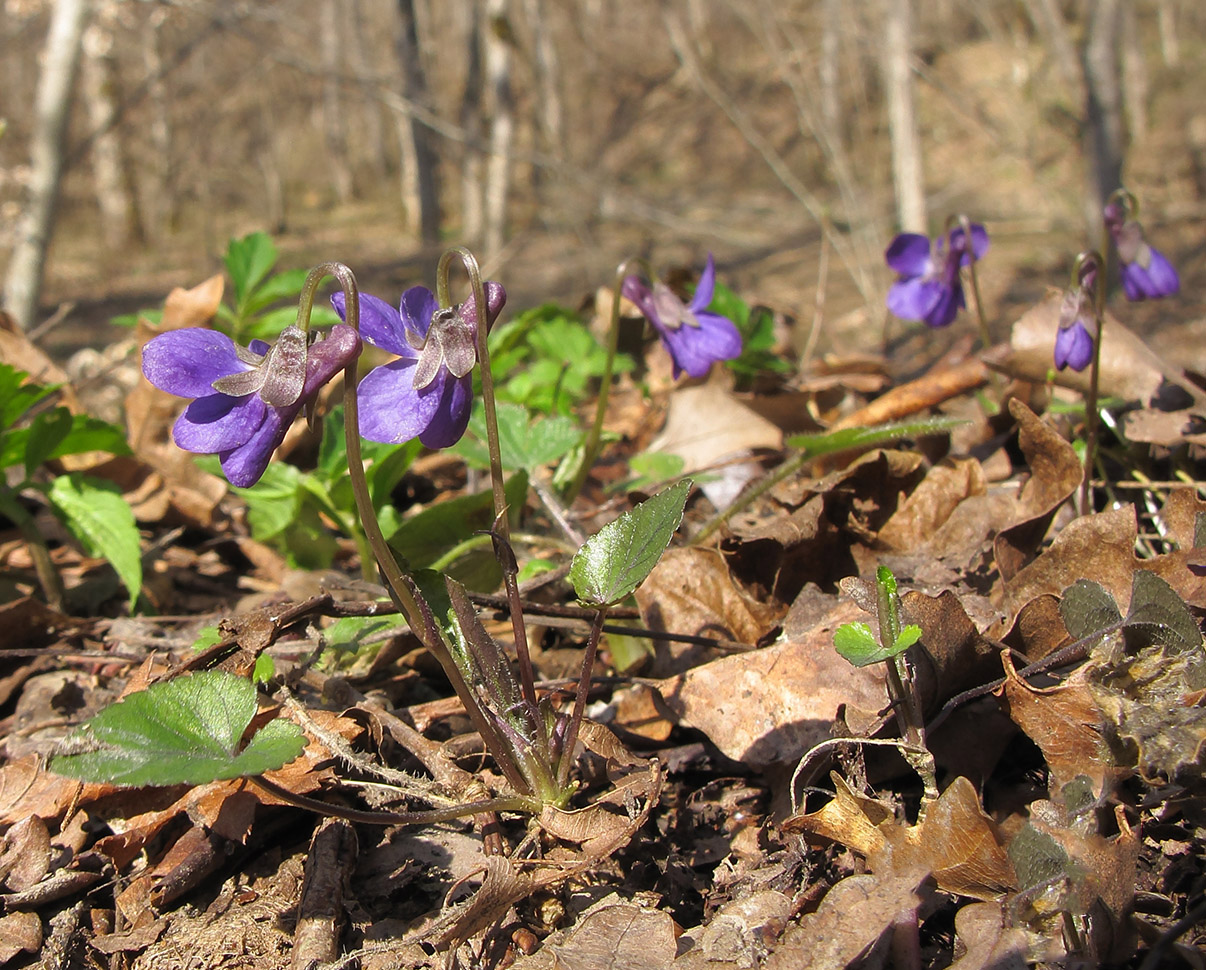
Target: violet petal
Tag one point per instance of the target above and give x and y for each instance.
(452, 414)
(218, 422)
(909, 255)
(392, 409)
(186, 362)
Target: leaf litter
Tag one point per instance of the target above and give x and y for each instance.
(1063, 655)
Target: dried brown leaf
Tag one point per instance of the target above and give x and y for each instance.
(991, 942)
(19, 933)
(620, 937)
(930, 506)
(775, 703)
(25, 854)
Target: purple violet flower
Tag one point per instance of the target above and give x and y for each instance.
(245, 399)
(1146, 272)
(1077, 335)
(694, 337)
(929, 287)
(428, 391)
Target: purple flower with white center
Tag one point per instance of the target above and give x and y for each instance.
(245, 398)
(1077, 335)
(1146, 272)
(427, 393)
(694, 337)
(929, 288)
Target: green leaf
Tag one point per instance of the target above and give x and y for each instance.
(909, 635)
(816, 445)
(248, 261)
(856, 644)
(274, 502)
(16, 397)
(92, 434)
(351, 632)
(100, 518)
(185, 731)
(207, 636)
(524, 442)
(1087, 608)
(46, 432)
(648, 469)
(615, 561)
(1159, 615)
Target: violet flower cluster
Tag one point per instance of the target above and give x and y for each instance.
(1146, 272)
(244, 399)
(694, 336)
(427, 393)
(929, 288)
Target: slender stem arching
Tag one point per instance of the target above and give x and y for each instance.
(482, 311)
(402, 588)
(1091, 415)
(590, 448)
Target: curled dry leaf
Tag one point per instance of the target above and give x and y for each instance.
(991, 942)
(1067, 725)
(1055, 474)
(24, 854)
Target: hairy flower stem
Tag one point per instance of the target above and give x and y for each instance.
(401, 585)
(590, 449)
(1091, 413)
(588, 666)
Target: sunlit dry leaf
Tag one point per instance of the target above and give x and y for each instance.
(991, 942)
(24, 854)
(1166, 428)
(1055, 473)
(956, 842)
(1180, 515)
(1038, 628)
(928, 508)
(854, 915)
(19, 933)
(848, 819)
(776, 703)
(1067, 724)
(741, 933)
(620, 937)
(1129, 369)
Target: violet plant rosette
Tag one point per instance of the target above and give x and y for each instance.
(695, 337)
(427, 393)
(930, 288)
(244, 399)
(1146, 272)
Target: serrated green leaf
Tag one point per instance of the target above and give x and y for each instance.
(184, 731)
(1159, 615)
(1087, 608)
(101, 519)
(857, 645)
(524, 442)
(909, 635)
(615, 561)
(248, 261)
(816, 445)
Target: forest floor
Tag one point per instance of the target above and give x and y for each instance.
(1071, 827)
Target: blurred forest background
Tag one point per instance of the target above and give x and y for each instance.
(790, 137)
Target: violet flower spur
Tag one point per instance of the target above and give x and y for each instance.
(245, 399)
(1146, 273)
(694, 337)
(427, 393)
(930, 288)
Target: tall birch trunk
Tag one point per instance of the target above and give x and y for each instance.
(52, 107)
(1103, 132)
(98, 79)
(420, 188)
(501, 112)
(907, 173)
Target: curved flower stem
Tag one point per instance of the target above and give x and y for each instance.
(590, 448)
(402, 587)
(1091, 415)
(469, 261)
(973, 279)
(588, 665)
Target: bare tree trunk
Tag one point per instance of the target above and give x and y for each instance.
(548, 77)
(907, 172)
(500, 110)
(52, 106)
(332, 32)
(98, 83)
(473, 200)
(829, 69)
(158, 198)
(1170, 45)
(420, 189)
(372, 127)
(1103, 132)
(1134, 73)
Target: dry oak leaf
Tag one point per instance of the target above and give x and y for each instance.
(774, 704)
(917, 520)
(623, 936)
(991, 943)
(19, 933)
(1066, 723)
(1055, 474)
